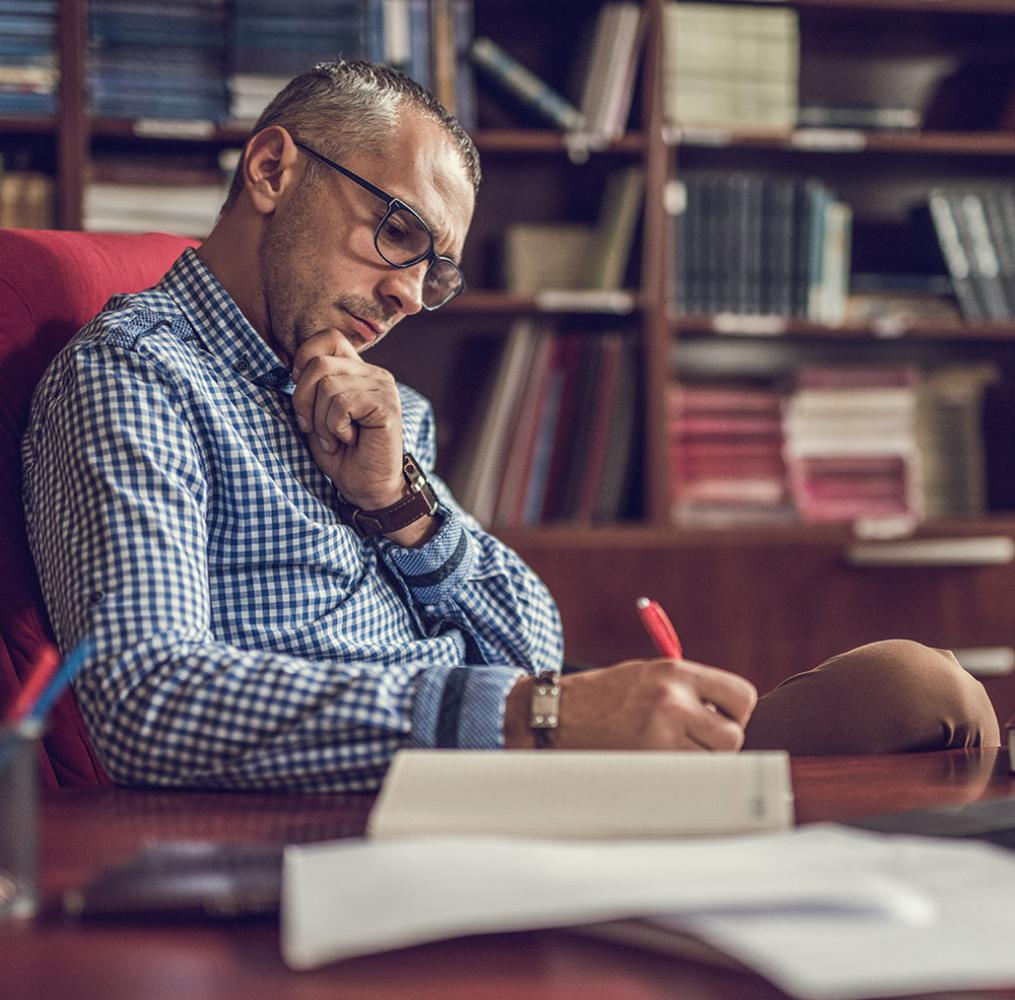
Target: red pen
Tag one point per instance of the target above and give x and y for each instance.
(42, 672)
(660, 628)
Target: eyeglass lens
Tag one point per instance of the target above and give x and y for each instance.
(402, 238)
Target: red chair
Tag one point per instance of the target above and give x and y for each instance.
(51, 284)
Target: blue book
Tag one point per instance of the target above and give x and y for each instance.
(44, 8)
(27, 104)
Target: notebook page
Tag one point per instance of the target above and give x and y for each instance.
(577, 794)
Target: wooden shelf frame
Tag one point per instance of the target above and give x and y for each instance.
(849, 141)
(776, 327)
(1000, 7)
(75, 131)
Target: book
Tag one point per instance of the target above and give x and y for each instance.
(524, 85)
(985, 267)
(610, 347)
(582, 794)
(955, 254)
(730, 67)
(521, 441)
(619, 463)
(870, 117)
(482, 464)
(546, 255)
(608, 87)
(27, 200)
(620, 210)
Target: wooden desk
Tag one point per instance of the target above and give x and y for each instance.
(49, 958)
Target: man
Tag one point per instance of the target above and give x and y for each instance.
(233, 504)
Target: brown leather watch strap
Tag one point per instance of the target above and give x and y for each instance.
(420, 501)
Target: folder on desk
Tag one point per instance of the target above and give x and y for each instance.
(583, 794)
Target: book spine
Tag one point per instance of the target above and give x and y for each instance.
(420, 43)
(956, 259)
(985, 266)
(526, 86)
(1002, 217)
(465, 81)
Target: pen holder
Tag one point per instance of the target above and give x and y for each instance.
(19, 820)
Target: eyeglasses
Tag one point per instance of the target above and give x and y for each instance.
(403, 240)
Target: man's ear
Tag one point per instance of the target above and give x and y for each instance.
(270, 167)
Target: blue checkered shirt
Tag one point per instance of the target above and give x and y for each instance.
(244, 636)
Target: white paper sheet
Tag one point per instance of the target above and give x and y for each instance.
(354, 897)
(970, 944)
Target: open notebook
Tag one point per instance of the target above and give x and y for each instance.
(583, 794)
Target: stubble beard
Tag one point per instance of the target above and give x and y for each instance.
(291, 294)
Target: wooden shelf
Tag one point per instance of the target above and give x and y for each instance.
(545, 141)
(814, 140)
(26, 124)
(918, 6)
(522, 141)
(168, 130)
(496, 303)
(648, 537)
(778, 326)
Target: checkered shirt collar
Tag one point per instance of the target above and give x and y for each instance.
(219, 324)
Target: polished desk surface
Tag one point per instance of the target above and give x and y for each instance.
(205, 960)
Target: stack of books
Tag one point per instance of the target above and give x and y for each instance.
(150, 60)
(29, 70)
(556, 440)
(851, 443)
(726, 461)
(163, 194)
(752, 244)
(269, 41)
(975, 230)
(730, 66)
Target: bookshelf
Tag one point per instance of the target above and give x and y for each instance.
(756, 599)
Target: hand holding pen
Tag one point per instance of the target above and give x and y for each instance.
(664, 636)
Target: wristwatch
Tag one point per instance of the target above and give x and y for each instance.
(544, 709)
(420, 501)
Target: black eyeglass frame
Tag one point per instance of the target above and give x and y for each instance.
(394, 205)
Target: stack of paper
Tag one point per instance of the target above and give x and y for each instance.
(823, 912)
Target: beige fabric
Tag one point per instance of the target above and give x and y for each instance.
(884, 697)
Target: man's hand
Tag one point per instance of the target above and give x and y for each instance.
(642, 705)
(352, 415)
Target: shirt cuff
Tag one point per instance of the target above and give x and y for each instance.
(462, 707)
(435, 571)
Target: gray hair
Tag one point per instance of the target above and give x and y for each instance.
(341, 107)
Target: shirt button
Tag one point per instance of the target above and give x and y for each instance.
(242, 365)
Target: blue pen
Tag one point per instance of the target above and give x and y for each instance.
(57, 685)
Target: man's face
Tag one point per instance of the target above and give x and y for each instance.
(319, 266)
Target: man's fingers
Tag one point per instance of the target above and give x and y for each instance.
(328, 343)
(732, 696)
(713, 731)
(305, 394)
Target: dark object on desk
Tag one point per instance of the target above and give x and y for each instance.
(176, 878)
(992, 820)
